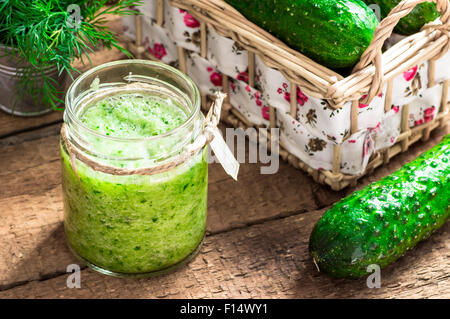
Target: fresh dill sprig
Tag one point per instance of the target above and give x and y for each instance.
(44, 35)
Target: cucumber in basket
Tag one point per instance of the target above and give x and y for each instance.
(420, 15)
(379, 223)
(331, 32)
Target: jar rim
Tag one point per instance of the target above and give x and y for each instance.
(69, 110)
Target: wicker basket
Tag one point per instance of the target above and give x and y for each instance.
(376, 72)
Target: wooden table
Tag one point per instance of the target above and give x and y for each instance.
(256, 245)
(257, 242)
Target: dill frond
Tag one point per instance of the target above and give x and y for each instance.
(42, 33)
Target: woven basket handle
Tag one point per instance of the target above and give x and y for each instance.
(384, 30)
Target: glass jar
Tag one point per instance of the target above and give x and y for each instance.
(134, 207)
(13, 96)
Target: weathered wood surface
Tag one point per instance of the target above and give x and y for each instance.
(258, 231)
(257, 244)
(31, 204)
(266, 260)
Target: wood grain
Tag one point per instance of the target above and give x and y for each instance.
(31, 203)
(10, 124)
(258, 230)
(32, 242)
(269, 260)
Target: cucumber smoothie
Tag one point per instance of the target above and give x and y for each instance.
(133, 224)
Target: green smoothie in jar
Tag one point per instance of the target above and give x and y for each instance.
(133, 224)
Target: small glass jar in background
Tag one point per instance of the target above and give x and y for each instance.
(134, 207)
(13, 98)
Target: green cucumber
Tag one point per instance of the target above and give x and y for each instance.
(379, 223)
(333, 33)
(410, 24)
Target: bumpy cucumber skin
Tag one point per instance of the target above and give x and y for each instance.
(379, 223)
(420, 15)
(333, 33)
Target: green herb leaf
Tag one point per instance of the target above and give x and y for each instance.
(44, 36)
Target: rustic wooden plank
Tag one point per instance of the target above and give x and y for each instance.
(10, 124)
(32, 149)
(268, 260)
(26, 150)
(39, 149)
(27, 220)
(31, 203)
(50, 130)
(32, 244)
(31, 206)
